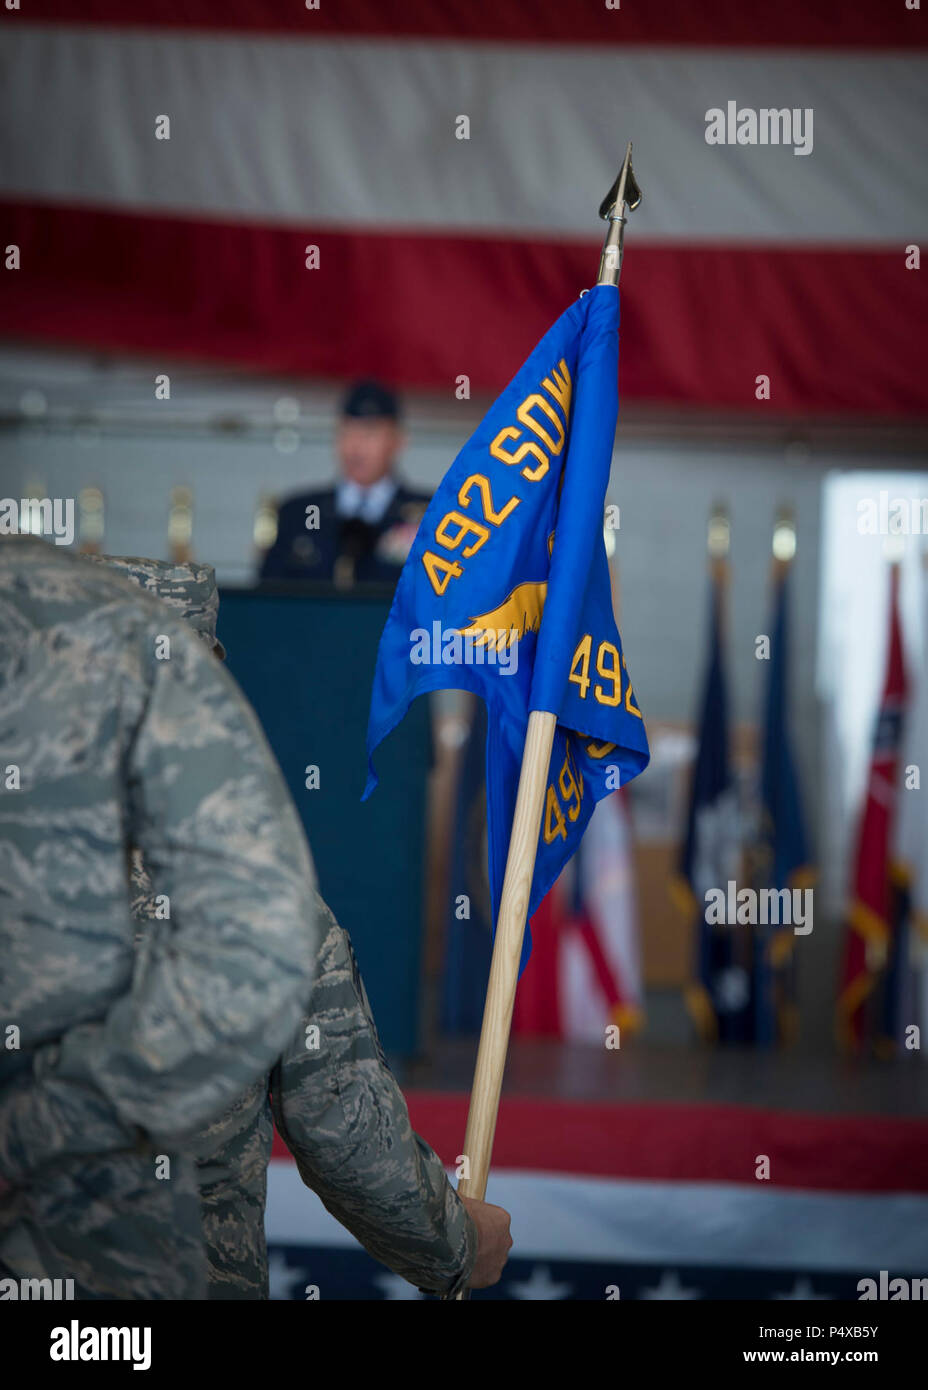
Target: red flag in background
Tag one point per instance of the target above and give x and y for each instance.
(868, 927)
(585, 970)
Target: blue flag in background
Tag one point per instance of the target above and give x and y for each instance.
(719, 995)
(780, 855)
(506, 592)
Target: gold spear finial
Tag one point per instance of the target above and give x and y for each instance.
(624, 194)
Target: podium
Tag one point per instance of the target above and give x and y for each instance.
(304, 655)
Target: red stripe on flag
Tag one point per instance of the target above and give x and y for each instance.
(690, 1143)
(686, 1143)
(870, 933)
(835, 330)
(713, 23)
(537, 1008)
(607, 981)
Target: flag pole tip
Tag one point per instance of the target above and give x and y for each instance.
(625, 190)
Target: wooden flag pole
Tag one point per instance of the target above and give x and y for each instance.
(507, 951)
(523, 840)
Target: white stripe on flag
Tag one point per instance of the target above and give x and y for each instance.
(557, 1216)
(353, 132)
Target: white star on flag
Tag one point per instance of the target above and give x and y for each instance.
(802, 1289)
(669, 1288)
(539, 1285)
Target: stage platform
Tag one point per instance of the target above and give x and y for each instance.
(661, 1174)
(639, 1073)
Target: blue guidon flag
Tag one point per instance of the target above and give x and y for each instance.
(506, 592)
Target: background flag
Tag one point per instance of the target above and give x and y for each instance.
(779, 854)
(869, 931)
(719, 996)
(514, 532)
(906, 1000)
(585, 971)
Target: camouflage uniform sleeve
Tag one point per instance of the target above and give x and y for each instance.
(217, 991)
(341, 1113)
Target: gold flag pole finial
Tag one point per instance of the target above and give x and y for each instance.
(180, 525)
(718, 535)
(718, 542)
(90, 512)
(624, 194)
(784, 541)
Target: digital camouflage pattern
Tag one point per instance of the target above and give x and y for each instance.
(341, 1113)
(337, 1105)
(188, 588)
(108, 1226)
(113, 1056)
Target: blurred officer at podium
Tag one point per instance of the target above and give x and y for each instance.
(360, 530)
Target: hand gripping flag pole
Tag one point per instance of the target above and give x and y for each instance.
(526, 827)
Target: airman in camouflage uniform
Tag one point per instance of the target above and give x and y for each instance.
(341, 1113)
(335, 1101)
(112, 1058)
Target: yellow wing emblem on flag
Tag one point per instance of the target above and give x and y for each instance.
(519, 613)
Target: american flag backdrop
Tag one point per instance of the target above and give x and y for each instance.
(657, 1201)
(168, 168)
